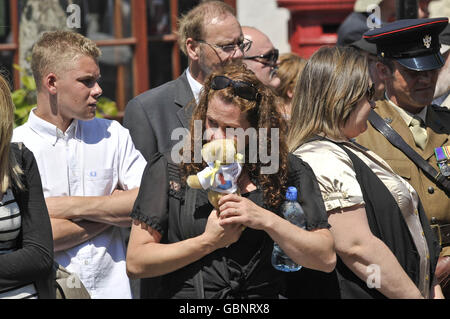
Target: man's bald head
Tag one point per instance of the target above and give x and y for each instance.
(264, 68)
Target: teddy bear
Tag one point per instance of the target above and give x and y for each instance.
(221, 175)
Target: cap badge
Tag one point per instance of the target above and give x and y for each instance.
(427, 41)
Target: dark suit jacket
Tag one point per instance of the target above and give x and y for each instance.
(352, 28)
(152, 116)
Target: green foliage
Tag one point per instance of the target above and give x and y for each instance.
(24, 100)
(106, 107)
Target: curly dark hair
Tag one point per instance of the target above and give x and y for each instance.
(261, 113)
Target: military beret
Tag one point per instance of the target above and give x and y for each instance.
(362, 44)
(414, 43)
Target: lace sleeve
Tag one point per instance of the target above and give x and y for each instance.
(150, 206)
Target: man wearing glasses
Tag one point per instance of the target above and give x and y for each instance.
(209, 35)
(261, 57)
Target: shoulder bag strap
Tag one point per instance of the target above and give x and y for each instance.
(395, 139)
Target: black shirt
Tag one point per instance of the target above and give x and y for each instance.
(243, 270)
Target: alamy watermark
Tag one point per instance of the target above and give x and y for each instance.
(374, 19)
(374, 279)
(73, 21)
(256, 142)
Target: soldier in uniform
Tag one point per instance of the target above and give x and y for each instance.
(409, 60)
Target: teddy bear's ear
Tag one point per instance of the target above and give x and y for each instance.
(193, 182)
(208, 152)
(229, 150)
(223, 150)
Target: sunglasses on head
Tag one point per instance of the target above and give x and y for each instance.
(242, 89)
(271, 57)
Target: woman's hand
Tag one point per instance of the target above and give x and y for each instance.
(312, 249)
(237, 210)
(220, 236)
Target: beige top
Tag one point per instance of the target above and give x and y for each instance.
(340, 189)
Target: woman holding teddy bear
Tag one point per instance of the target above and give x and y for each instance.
(206, 243)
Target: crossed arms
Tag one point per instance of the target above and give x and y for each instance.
(76, 219)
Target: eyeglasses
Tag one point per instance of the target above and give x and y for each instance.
(230, 48)
(371, 92)
(271, 57)
(242, 89)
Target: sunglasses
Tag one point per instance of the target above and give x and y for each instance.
(242, 89)
(271, 57)
(371, 92)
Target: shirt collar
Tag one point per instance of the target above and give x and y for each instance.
(405, 115)
(196, 86)
(50, 132)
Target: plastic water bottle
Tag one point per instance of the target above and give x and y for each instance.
(293, 212)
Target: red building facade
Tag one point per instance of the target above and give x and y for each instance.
(314, 23)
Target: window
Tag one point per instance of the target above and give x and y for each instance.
(137, 38)
(9, 52)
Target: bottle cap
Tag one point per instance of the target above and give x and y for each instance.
(291, 193)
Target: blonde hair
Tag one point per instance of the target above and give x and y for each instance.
(9, 170)
(55, 51)
(333, 81)
(192, 24)
(290, 67)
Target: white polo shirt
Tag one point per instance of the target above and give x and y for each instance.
(92, 158)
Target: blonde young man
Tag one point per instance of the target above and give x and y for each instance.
(89, 168)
